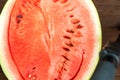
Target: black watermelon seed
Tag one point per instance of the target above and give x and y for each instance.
(70, 44)
(65, 69)
(55, 79)
(79, 26)
(19, 16)
(66, 37)
(65, 57)
(66, 49)
(18, 21)
(34, 68)
(70, 31)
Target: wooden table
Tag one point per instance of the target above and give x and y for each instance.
(109, 11)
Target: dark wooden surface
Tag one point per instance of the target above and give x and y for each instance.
(109, 11)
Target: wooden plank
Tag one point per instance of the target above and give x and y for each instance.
(109, 11)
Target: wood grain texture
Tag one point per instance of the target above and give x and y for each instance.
(109, 11)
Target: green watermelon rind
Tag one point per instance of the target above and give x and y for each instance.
(5, 63)
(12, 72)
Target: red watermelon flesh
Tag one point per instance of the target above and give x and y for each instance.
(51, 39)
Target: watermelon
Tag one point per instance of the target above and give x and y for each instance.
(49, 39)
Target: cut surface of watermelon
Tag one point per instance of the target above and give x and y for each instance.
(49, 39)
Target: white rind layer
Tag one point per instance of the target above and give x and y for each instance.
(6, 59)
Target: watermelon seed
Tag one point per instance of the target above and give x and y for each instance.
(18, 21)
(79, 26)
(19, 16)
(75, 21)
(71, 16)
(67, 37)
(69, 44)
(65, 57)
(70, 31)
(65, 69)
(66, 49)
(34, 68)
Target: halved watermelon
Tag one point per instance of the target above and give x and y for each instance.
(49, 39)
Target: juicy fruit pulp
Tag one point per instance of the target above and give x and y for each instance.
(51, 39)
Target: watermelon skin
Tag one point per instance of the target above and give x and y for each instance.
(19, 73)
